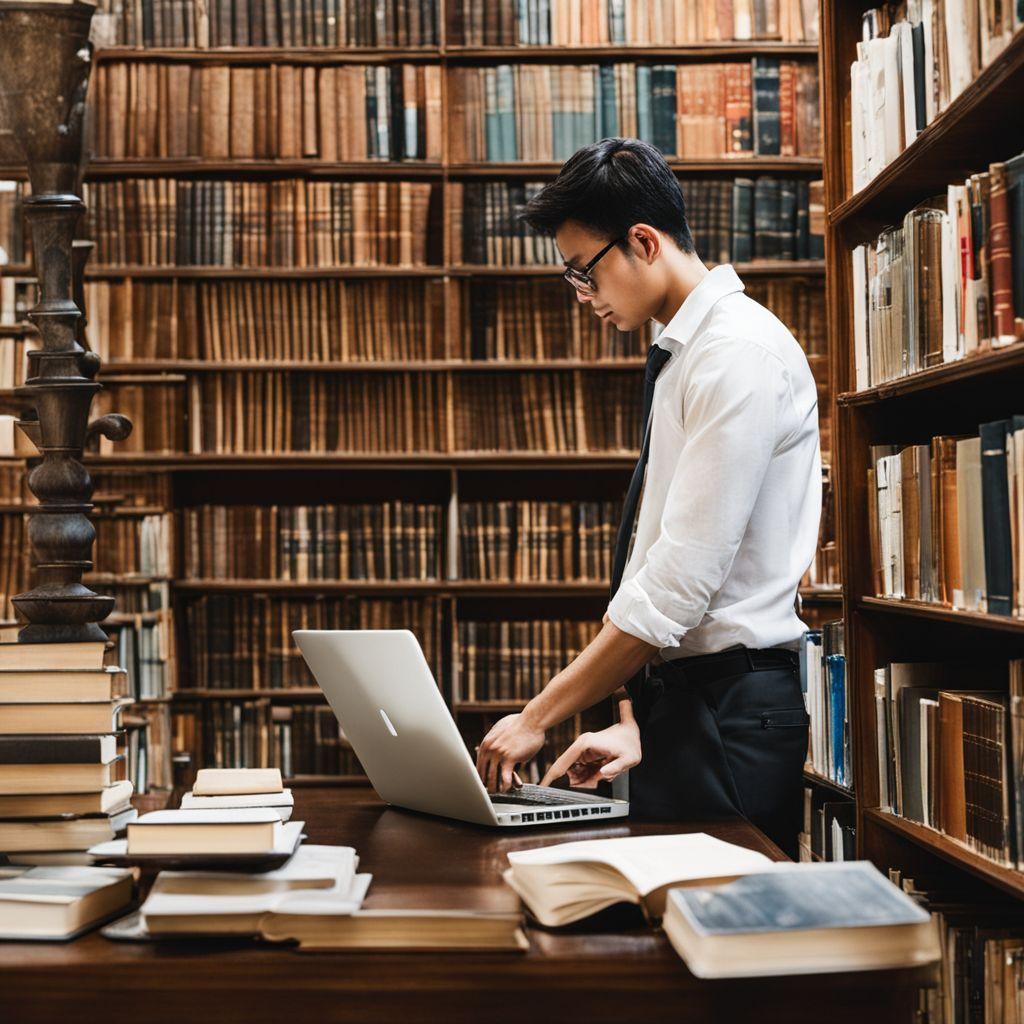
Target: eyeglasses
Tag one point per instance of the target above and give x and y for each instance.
(581, 279)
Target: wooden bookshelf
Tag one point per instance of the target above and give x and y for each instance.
(453, 475)
(984, 124)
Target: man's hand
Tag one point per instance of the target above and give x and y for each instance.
(598, 756)
(513, 740)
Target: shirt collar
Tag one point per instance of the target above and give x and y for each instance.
(719, 281)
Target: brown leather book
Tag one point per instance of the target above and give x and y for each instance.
(243, 114)
(215, 133)
(911, 517)
(952, 571)
(787, 108)
(951, 800)
(1000, 257)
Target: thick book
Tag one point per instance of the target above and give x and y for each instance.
(800, 919)
(304, 920)
(52, 749)
(47, 834)
(282, 803)
(81, 656)
(24, 779)
(247, 830)
(996, 517)
(237, 781)
(570, 881)
(60, 902)
(109, 800)
(68, 718)
(58, 685)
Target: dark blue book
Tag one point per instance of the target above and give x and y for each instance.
(742, 220)
(663, 108)
(799, 919)
(767, 138)
(996, 517)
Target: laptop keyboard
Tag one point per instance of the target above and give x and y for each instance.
(543, 796)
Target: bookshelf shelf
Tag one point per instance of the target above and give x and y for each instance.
(477, 588)
(762, 268)
(1006, 878)
(821, 595)
(183, 462)
(451, 54)
(938, 613)
(690, 51)
(104, 167)
(944, 378)
(819, 780)
(230, 693)
(971, 132)
(269, 54)
(117, 368)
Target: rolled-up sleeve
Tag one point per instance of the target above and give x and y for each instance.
(731, 411)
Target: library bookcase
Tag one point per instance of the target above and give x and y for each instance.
(448, 478)
(985, 123)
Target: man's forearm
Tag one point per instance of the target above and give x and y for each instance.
(607, 662)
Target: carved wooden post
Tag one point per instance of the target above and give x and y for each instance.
(45, 58)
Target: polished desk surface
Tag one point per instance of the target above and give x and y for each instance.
(588, 974)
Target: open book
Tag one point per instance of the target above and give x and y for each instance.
(569, 881)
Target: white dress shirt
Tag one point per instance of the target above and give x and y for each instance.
(728, 520)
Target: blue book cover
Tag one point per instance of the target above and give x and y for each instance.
(506, 107)
(767, 137)
(798, 898)
(835, 665)
(644, 127)
(492, 130)
(609, 126)
(663, 104)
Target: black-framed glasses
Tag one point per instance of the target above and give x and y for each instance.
(581, 279)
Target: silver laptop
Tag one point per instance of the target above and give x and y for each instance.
(387, 702)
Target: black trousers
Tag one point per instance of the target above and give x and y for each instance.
(723, 735)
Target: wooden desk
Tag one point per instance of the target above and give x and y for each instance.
(418, 861)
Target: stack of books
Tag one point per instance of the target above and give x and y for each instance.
(218, 788)
(62, 784)
(823, 680)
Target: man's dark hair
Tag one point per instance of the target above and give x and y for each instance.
(608, 187)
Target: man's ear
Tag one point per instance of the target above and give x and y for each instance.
(645, 242)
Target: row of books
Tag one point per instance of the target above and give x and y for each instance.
(148, 746)
(280, 223)
(271, 412)
(236, 23)
(350, 112)
(300, 739)
(62, 763)
(134, 545)
(627, 22)
(334, 320)
(945, 284)
(244, 641)
(829, 827)
(945, 520)
(537, 112)
(142, 631)
(950, 750)
(824, 569)
(826, 697)
(341, 320)
(508, 660)
(537, 541)
(912, 62)
(392, 540)
(732, 221)
(981, 971)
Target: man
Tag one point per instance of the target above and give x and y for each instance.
(730, 475)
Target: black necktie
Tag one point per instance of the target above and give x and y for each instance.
(657, 357)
